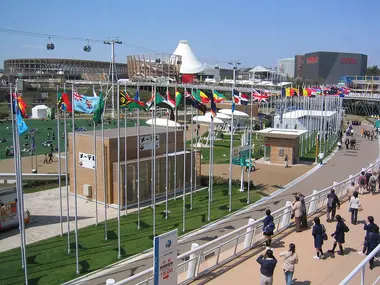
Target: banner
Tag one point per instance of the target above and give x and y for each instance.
(87, 160)
(165, 259)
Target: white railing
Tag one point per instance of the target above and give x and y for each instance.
(361, 267)
(205, 258)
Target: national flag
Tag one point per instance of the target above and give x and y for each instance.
(200, 96)
(21, 104)
(259, 97)
(135, 103)
(85, 104)
(178, 98)
(290, 92)
(170, 100)
(240, 98)
(123, 99)
(160, 102)
(218, 97)
(97, 117)
(189, 99)
(64, 103)
(235, 97)
(213, 105)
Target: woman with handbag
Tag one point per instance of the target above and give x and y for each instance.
(319, 234)
(290, 260)
(339, 235)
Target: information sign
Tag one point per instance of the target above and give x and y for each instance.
(165, 259)
(87, 160)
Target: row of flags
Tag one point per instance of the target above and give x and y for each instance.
(315, 91)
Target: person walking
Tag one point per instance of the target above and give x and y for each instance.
(373, 240)
(268, 228)
(347, 142)
(332, 204)
(290, 261)
(45, 159)
(372, 184)
(297, 212)
(267, 265)
(354, 206)
(350, 190)
(286, 161)
(362, 181)
(304, 211)
(339, 235)
(319, 234)
(368, 227)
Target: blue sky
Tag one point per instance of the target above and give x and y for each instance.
(254, 32)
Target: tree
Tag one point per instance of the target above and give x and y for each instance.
(373, 70)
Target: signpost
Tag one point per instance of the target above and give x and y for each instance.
(146, 142)
(165, 258)
(86, 160)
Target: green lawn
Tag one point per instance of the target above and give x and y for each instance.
(42, 132)
(310, 155)
(49, 263)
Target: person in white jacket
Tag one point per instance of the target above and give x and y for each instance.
(354, 206)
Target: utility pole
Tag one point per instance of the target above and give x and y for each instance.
(112, 43)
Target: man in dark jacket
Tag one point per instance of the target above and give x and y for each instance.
(268, 264)
(368, 227)
(332, 204)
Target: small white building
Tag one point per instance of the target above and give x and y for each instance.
(286, 67)
(305, 120)
(40, 112)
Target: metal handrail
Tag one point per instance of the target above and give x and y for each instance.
(319, 199)
(361, 267)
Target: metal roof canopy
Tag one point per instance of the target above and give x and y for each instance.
(281, 133)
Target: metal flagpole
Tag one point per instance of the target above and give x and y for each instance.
(250, 149)
(167, 161)
(175, 153)
(138, 164)
(210, 180)
(59, 170)
(67, 179)
(184, 169)
(154, 165)
(95, 172)
(196, 139)
(191, 155)
(231, 144)
(125, 161)
(75, 181)
(118, 175)
(13, 109)
(104, 175)
(18, 172)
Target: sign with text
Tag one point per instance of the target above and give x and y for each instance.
(312, 60)
(146, 142)
(87, 160)
(165, 259)
(348, 60)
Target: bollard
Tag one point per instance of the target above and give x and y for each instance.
(110, 281)
(285, 221)
(249, 234)
(313, 203)
(192, 263)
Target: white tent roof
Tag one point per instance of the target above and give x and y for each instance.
(259, 69)
(190, 64)
(40, 107)
(236, 113)
(206, 120)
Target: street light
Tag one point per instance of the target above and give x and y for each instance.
(112, 43)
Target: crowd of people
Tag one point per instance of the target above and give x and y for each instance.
(366, 182)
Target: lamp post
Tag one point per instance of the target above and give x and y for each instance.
(235, 65)
(112, 43)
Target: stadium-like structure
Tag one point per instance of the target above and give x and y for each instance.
(44, 68)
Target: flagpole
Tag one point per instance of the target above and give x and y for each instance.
(154, 164)
(138, 165)
(250, 149)
(59, 170)
(104, 173)
(191, 156)
(125, 161)
(175, 153)
(118, 174)
(196, 139)
(210, 177)
(19, 189)
(167, 161)
(75, 182)
(231, 148)
(13, 109)
(95, 171)
(184, 170)
(67, 179)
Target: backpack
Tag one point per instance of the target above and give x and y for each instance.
(330, 201)
(361, 180)
(346, 229)
(269, 228)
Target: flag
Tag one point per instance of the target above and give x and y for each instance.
(218, 97)
(171, 102)
(135, 103)
(160, 101)
(21, 125)
(240, 98)
(97, 117)
(191, 101)
(235, 97)
(200, 96)
(213, 105)
(178, 98)
(63, 102)
(21, 104)
(290, 92)
(94, 93)
(123, 99)
(260, 97)
(85, 104)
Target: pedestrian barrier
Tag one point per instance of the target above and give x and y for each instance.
(204, 258)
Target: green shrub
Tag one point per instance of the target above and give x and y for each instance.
(220, 181)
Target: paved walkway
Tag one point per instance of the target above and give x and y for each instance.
(342, 164)
(330, 270)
